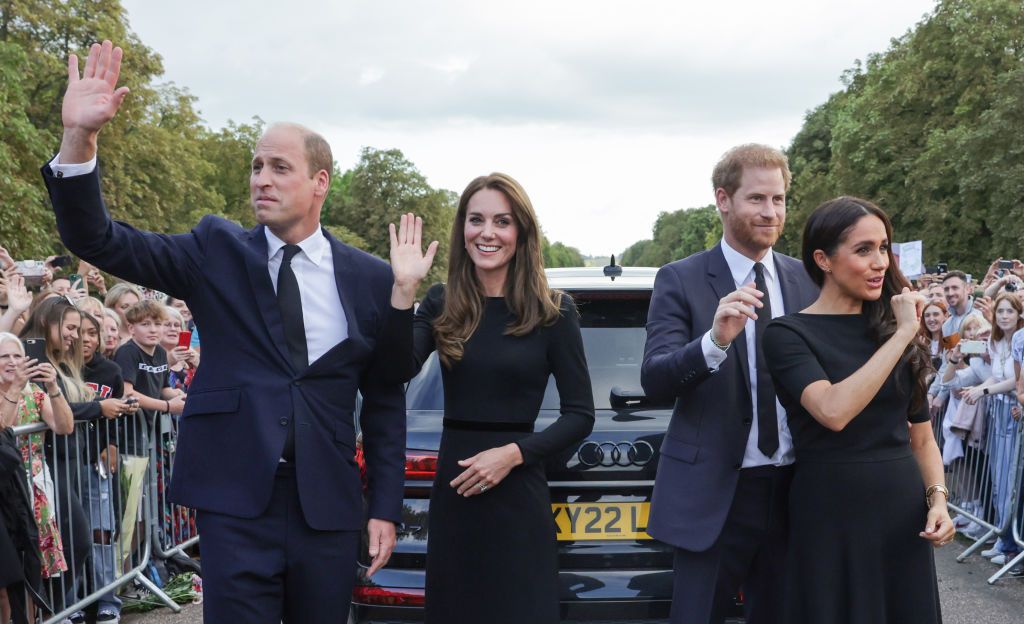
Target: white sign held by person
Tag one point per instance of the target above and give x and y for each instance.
(910, 257)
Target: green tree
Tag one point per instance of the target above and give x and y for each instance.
(382, 187)
(557, 255)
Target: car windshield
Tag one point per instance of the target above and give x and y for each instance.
(613, 329)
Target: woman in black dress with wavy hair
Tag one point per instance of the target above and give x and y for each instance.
(500, 333)
(868, 501)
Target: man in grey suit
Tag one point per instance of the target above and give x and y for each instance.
(723, 477)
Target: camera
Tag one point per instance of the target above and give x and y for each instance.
(32, 271)
(1011, 287)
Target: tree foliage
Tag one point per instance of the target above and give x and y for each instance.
(676, 235)
(162, 167)
(930, 130)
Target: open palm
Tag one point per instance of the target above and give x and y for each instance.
(93, 98)
(408, 261)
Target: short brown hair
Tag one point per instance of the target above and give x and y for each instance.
(145, 310)
(728, 172)
(318, 150)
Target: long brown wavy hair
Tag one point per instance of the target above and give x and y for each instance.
(527, 294)
(827, 228)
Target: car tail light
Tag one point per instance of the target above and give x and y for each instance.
(420, 465)
(388, 596)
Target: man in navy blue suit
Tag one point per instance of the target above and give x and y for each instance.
(721, 493)
(294, 325)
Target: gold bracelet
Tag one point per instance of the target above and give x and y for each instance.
(932, 489)
(55, 395)
(10, 400)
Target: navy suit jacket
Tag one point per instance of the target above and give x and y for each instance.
(233, 429)
(706, 438)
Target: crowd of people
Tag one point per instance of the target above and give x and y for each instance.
(972, 329)
(66, 356)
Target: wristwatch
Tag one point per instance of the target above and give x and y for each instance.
(984, 391)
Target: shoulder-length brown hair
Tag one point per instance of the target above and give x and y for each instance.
(527, 294)
(997, 331)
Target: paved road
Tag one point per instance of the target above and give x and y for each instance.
(966, 597)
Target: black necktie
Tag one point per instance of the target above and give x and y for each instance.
(767, 418)
(294, 329)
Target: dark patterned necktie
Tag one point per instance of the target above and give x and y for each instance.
(767, 418)
(290, 302)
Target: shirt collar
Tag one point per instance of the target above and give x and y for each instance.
(741, 266)
(313, 246)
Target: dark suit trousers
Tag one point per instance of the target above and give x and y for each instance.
(274, 567)
(749, 555)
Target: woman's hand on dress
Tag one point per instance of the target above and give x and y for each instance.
(939, 527)
(907, 307)
(408, 262)
(486, 469)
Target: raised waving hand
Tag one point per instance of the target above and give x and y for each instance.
(91, 100)
(409, 263)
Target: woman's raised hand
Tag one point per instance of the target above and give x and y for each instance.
(408, 261)
(908, 306)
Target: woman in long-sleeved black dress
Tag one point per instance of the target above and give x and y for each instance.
(499, 332)
(851, 375)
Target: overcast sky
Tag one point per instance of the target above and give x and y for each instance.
(607, 112)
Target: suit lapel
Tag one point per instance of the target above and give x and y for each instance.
(721, 281)
(791, 299)
(263, 289)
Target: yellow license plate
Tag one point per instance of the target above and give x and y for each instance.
(601, 521)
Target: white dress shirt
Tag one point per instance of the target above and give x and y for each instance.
(322, 313)
(742, 269)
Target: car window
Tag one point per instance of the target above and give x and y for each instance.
(613, 330)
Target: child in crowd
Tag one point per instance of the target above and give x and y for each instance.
(143, 364)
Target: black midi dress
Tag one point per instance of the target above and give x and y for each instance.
(857, 498)
(491, 558)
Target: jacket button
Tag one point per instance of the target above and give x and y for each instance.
(748, 420)
(738, 466)
(298, 383)
(284, 422)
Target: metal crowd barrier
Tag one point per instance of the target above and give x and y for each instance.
(176, 524)
(102, 488)
(985, 483)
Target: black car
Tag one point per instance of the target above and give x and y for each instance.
(610, 569)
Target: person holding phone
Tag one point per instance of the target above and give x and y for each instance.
(999, 389)
(182, 360)
(25, 402)
(104, 378)
(868, 498)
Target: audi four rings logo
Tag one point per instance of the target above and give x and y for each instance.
(608, 454)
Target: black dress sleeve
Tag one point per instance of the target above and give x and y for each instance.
(569, 366)
(423, 325)
(791, 362)
(920, 416)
